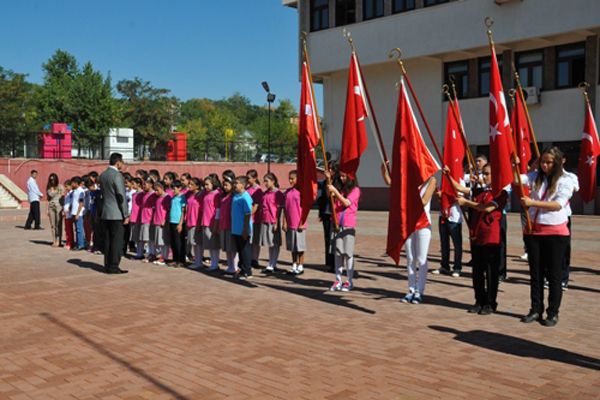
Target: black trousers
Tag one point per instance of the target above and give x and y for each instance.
(126, 235)
(244, 249)
(113, 244)
(567, 259)
(329, 258)
(34, 215)
(486, 261)
(98, 227)
(450, 230)
(546, 257)
(503, 270)
(177, 243)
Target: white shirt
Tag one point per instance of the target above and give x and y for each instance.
(574, 181)
(33, 191)
(455, 214)
(561, 195)
(129, 196)
(76, 196)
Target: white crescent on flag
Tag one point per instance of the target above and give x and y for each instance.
(587, 136)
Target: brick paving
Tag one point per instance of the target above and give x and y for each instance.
(70, 332)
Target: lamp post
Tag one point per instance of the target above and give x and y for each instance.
(270, 99)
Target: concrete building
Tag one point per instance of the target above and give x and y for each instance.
(553, 44)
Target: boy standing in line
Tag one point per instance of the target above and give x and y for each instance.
(241, 226)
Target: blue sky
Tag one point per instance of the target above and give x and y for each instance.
(195, 48)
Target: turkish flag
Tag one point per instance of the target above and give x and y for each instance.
(308, 139)
(412, 165)
(588, 154)
(354, 136)
(521, 134)
(454, 154)
(500, 136)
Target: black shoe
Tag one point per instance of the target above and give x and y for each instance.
(27, 228)
(475, 309)
(502, 278)
(550, 321)
(532, 316)
(118, 271)
(486, 310)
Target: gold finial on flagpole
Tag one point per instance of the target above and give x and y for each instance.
(346, 33)
(446, 89)
(397, 53)
(584, 88)
(489, 21)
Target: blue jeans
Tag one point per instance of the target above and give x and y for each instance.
(451, 230)
(79, 232)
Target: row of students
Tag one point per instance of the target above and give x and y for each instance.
(201, 215)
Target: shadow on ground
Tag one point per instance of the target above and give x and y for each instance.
(519, 347)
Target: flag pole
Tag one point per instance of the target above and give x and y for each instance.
(412, 91)
(529, 123)
(452, 105)
(516, 172)
(370, 110)
(470, 157)
(322, 139)
(584, 87)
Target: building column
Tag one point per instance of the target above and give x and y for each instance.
(387, 7)
(549, 66)
(332, 13)
(359, 10)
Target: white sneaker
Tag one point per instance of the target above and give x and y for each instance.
(455, 274)
(294, 270)
(269, 268)
(524, 257)
(300, 269)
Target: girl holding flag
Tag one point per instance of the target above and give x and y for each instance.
(550, 191)
(346, 208)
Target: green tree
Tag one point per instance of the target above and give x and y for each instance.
(284, 131)
(149, 111)
(54, 98)
(17, 113)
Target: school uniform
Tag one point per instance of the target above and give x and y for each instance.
(135, 220)
(256, 193)
(192, 213)
(270, 231)
(225, 223)
(148, 203)
(343, 241)
(486, 247)
(77, 200)
(159, 221)
(177, 239)
(211, 203)
(295, 238)
(547, 242)
(241, 206)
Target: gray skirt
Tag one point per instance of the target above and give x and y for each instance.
(268, 238)
(209, 239)
(161, 235)
(135, 232)
(192, 239)
(342, 242)
(144, 234)
(295, 241)
(226, 241)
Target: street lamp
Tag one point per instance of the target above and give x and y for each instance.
(270, 99)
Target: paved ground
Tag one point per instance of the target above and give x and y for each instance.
(70, 332)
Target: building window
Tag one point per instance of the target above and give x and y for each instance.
(319, 15)
(399, 6)
(460, 72)
(484, 74)
(434, 2)
(530, 67)
(372, 9)
(345, 12)
(570, 65)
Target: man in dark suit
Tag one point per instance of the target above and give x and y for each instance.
(115, 213)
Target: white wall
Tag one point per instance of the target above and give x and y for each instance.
(450, 27)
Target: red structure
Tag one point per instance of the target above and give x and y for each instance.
(177, 147)
(56, 143)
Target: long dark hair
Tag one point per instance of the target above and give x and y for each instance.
(271, 176)
(554, 174)
(214, 180)
(53, 181)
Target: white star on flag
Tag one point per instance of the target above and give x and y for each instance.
(308, 110)
(590, 160)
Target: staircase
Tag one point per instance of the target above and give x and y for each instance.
(11, 196)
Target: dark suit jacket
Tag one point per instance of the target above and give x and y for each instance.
(114, 202)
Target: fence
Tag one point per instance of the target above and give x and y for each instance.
(25, 145)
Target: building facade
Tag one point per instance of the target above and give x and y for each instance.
(553, 44)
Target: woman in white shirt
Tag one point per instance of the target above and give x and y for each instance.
(546, 243)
